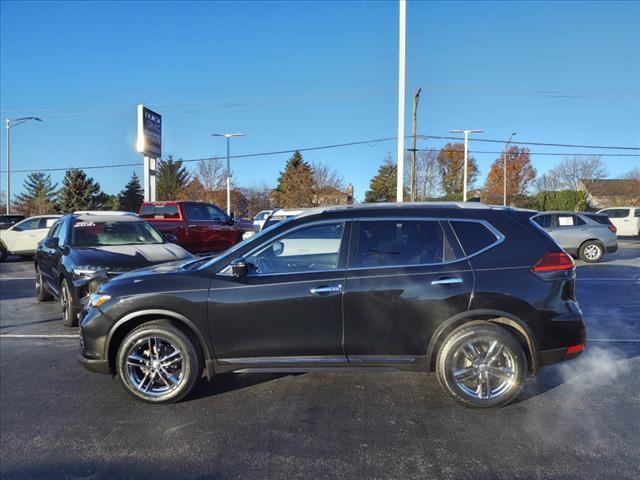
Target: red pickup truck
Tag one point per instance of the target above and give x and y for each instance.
(199, 227)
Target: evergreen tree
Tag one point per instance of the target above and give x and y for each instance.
(172, 177)
(131, 198)
(80, 192)
(39, 195)
(295, 185)
(383, 186)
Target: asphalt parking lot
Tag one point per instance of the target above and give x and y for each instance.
(576, 420)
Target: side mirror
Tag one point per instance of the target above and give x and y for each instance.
(170, 237)
(238, 267)
(277, 248)
(51, 242)
(248, 234)
(16, 229)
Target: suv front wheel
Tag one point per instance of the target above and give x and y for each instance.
(158, 363)
(482, 365)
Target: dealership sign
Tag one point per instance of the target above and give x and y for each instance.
(149, 141)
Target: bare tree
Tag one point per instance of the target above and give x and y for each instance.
(258, 198)
(633, 174)
(325, 177)
(547, 183)
(212, 173)
(427, 175)
(572, 170)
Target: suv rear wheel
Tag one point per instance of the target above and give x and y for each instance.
(591, 251)
(158, 363)
(482, 365)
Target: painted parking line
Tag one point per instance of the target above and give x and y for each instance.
(16, 278)
(613, 340)
(607, 279)
(25, 335)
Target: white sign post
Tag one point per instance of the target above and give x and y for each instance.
(149, 144)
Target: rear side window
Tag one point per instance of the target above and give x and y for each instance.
(617, 212)
(601, 219)
(402, 243)
(543, 220)
(473, 236)
(637, 214)
(569, 220)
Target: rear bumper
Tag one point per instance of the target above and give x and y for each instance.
(612, 248)
(549, 357)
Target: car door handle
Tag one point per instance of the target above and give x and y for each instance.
(447, 281)
(326, 290)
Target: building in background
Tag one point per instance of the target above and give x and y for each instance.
(605, 193)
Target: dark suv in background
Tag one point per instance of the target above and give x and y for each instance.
(480, 295)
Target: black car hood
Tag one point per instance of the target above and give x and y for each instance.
(123, 258)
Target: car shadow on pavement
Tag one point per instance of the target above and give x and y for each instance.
(229, 382)
(36, 322)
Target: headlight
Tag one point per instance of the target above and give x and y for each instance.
(97, 299)
(87, 270)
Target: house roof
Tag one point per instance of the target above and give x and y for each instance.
(612, 187)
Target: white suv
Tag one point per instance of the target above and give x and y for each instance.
(625, 219)
(23, 237)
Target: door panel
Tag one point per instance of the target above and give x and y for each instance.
(405, 277)
(267, 316)
(395, 311)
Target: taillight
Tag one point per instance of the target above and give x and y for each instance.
(573, 349)
(553, 262)
(613, 229)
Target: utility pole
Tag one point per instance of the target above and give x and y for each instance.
(9, 124)
(466, 157)
(414, 126)
(228, 136)
(504, 170)
(401, 81)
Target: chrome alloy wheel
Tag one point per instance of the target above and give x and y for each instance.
(155, 366)
(483, 368)
(64, 300)
(592, 252)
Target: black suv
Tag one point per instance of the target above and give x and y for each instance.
(83, 250)
(480, 295)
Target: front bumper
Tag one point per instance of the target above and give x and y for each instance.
(94, 365)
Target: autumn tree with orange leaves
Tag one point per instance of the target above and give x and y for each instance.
(520, 175)
(451, 168)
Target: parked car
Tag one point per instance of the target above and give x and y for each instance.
(626, 220)
(585, 235)
(274, 217)
(259, 219)
(9, 219)
(198, 227)
(478, 294)
(83, 250)
(22, 238)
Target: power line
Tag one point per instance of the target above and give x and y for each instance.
(542, 154)
(370, 143)
(541, 144)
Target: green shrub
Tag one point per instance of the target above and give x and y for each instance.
(565, 200)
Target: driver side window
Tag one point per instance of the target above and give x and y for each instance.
(308, 249)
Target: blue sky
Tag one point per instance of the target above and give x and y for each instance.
(303, 74)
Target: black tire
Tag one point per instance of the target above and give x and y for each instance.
(461, 377)
(3, 253)
(42, 294)
(67, 304)
(167, 383)
(591, 251)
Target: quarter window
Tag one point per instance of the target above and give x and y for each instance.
(474, 236)
(30, 224)
(309, 249)
(402, 243)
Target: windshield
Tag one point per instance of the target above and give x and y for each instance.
(102, 234)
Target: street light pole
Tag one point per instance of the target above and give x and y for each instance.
(9, 126)
(466, 158)
(228, 136)
(401, 92)
(504, 170)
